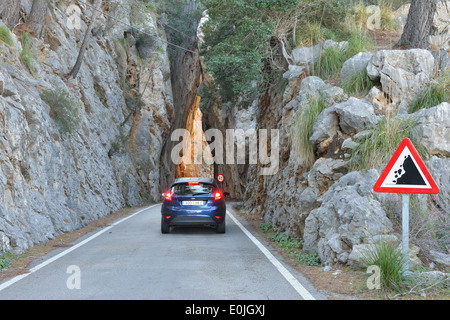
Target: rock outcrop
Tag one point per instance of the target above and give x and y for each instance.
(402, 73)
(53, 181)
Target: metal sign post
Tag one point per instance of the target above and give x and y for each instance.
(406, 173)
(405, 232)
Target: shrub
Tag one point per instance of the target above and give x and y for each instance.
(5, 260)
(265, 227)
(6, 36)
(63, 109)
(307, 259)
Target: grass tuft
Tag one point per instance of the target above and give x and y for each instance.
(388, 257)
(380, 143)
(304, 122)
(6, 36)
(433, 95)
(358, 84)
(27, 54)
(331, 60)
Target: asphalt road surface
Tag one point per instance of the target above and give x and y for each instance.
(131, 259)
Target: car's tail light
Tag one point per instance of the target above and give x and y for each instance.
(168, 196)
(193, 183)
(217, 196)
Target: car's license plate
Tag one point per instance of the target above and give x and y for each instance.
(192, 203)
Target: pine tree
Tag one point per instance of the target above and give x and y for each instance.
(37, 16)
(416, 33)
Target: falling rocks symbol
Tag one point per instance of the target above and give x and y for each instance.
(409, 175)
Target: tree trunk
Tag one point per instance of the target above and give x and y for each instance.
(87, 37)
(417, 30)
(9, 13)
(36, 18)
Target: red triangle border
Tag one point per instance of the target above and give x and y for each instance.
(406, 143)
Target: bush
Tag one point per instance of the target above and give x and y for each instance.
(265, 227)
(63, 109)
(5, 260)
(307, 259)
(6, 36)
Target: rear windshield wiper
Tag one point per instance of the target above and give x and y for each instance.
(194, 194)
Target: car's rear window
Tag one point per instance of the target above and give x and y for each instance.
(191, 189)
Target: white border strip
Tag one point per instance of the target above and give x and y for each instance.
(305, 294)
(62, 254)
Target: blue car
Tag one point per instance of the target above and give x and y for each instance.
(194, 202)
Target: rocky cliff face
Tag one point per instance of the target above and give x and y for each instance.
(54, 180)
(332, 208)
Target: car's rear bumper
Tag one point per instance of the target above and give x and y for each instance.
(194, 221)
(193, 217)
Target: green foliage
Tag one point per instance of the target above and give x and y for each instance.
(63, 109)
(6, 36)
(358, 41)
(237, 41)
(434, 94)
(265, 227)
(291, 246)
(329, 63)
(27, 53)
(331, 60)
(380, 143)
(304, 122)
(182, 17)
(307, 259)
(358, 83)
(388, 257)
(5, 260)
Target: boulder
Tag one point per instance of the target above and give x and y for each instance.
(348, 214)
(440, 257)
(440, 34)
(293, 72)
(441, 60)
(355, 115)
(355, 64)
(438, 168)
(402, 73)
(433, 128)
(325, 128)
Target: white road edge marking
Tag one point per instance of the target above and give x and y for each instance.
(305, 294)
(62, 254)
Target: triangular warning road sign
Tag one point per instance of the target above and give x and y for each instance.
(406, 173)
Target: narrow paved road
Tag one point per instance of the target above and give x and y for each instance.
(133, 260)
